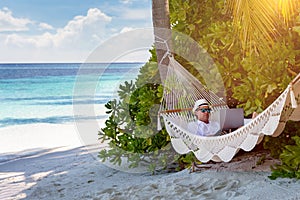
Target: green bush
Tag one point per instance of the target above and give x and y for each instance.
(276, 145)
(130, 128)
(290, 161)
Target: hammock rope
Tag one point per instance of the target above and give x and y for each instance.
(182, 89)
(164, 43)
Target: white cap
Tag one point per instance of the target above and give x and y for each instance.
(198, 103)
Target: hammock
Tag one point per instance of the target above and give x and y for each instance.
(182, 89)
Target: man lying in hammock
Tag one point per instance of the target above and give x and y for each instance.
(203, 126)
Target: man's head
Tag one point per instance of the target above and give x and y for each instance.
(202, 110)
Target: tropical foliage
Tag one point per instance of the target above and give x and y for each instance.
(131, 128)
(276, 145)
(290, 161)
(253, 75)
(252, 80)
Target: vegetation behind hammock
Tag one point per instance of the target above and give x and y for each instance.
(253, 80)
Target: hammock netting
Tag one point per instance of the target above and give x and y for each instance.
(182, 89)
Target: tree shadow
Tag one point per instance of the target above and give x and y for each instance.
(27, 169)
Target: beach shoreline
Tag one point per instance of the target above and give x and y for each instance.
(64, 168)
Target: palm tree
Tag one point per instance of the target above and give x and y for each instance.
(161, 25)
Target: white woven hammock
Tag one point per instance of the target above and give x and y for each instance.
(182, 89)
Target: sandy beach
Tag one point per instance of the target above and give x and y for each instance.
(48, 161)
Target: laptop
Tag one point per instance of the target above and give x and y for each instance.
(231, 119)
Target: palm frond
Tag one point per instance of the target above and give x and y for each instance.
(288, 10)
(255, 22)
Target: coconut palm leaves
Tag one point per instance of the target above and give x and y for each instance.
(288, 10)
(257, 22)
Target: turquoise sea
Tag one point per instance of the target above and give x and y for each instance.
(44, 93)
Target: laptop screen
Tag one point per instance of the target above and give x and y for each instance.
(231, 118)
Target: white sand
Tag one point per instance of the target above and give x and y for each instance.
(25, 139)
(49, 162)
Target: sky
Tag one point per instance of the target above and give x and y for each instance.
(66, 30)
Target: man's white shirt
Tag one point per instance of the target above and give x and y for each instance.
(204, 129)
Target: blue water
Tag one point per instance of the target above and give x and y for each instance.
(46, 93)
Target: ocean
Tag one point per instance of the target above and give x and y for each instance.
(46, 93)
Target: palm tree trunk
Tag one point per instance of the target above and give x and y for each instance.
(162, 32)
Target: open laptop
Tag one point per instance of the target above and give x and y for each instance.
(231, 119)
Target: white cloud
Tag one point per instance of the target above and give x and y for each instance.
(89, 29)
(45, 26)
(132, 1)
(136, 14)
(128, 46)
(126, 29)
(126, 1)
(9, 23)
(80, 32)
(72, 43)
(40, 41)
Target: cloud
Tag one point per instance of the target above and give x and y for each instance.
(9, 23)
(132, 1)
(45, 26)
(40, 41)
(136, 14)
(126, 29)
(89, 29)
(126, 1)
(83, 31)
(72, 43)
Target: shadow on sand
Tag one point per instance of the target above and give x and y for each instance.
(27, 169)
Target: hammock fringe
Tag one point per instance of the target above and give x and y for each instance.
(159, 127)
(293, 99)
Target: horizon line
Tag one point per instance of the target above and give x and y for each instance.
(121, 62)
